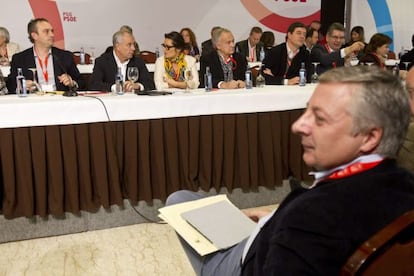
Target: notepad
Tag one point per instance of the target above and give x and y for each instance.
(209, 224)
(222, 223)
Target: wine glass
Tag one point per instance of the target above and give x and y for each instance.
(406, 65)
(35, 85)
(369, 63)
(188, 75)
(315, 76)
(133, 74)
(92, 56)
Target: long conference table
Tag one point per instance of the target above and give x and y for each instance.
(67, 154)
(88, 68)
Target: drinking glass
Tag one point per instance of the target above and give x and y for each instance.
(406, 65)
(92, 55)
(35, 87)
(315, 76)
(133, 74)
(188, 75)
(354, 61)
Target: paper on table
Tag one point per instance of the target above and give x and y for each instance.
(173, 216)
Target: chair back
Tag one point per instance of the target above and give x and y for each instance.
(389, 252)
(148, 56)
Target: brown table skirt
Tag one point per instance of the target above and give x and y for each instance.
(57, 169)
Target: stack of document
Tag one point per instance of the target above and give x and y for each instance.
(209, 224)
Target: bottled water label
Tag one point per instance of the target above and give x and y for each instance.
(249, 83)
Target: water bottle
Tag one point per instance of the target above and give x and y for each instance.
(260, 80)
(119, 81)
(248, 79)
(302, 75)
(262, 54)
(157, 52)
(208, 80)
(82, 55)
(21, 83)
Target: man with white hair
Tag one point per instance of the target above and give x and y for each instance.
(350, 137)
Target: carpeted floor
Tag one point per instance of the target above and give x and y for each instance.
(140, 249)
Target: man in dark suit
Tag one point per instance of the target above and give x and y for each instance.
(226, 67)
(282, 64)
(251, 47)
(350, 137)
(56, 69)
(408, 57)
(209, 46)
(329, 54)
(122, 56)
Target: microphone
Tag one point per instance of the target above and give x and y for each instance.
(72, 89)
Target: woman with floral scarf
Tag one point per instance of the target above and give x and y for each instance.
(172, 68)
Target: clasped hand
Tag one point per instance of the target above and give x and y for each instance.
(130, 86)
(66, 80)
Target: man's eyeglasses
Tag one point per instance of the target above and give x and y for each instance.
(338, 37)
(167, 46)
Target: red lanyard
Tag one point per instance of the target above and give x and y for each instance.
(253, 52)
(330, 51)
(353, 169)
(289, 62)
(44, 72)
(231, 58)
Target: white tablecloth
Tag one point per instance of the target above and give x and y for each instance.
(88, 68)
(36, 110)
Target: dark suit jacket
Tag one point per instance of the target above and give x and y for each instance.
(213, 61)
(408, 57)
(276, 61)
(320, 54)
(243, 48)
(207, 47)
(63, 62)
(314, 231)
(105, 69)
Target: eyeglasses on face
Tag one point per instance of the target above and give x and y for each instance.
(337, 37)
(167, 46)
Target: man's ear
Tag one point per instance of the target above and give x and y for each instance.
(371, 140)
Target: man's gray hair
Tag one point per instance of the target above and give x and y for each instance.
(217, 33)
(379, 100)
(5, 34)
(117, 37)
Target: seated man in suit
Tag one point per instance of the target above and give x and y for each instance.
(251, 47)
(209, 45)
(56, 69)
(226, 67)
(408, 57)
(284, 61)
(350, 137)
(330, 54)
(106, 66)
